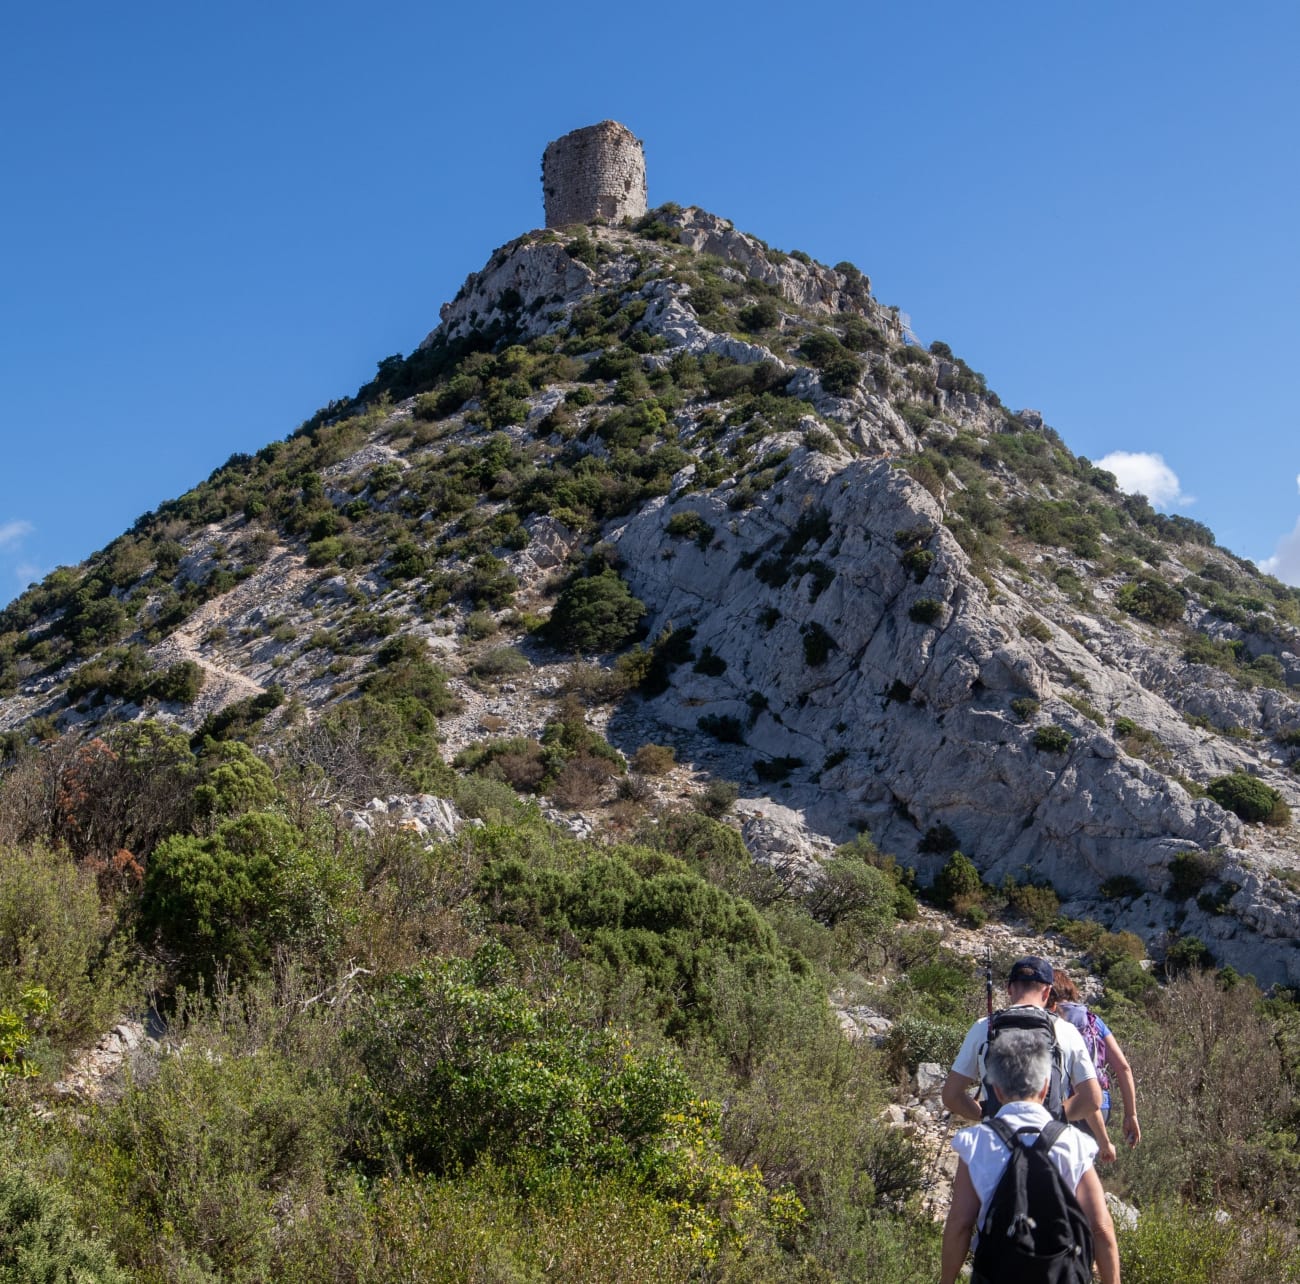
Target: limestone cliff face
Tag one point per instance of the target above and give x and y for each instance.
(861, 648)
(906, 726)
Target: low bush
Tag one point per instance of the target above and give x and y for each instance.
(926, 610)
(1250, 798)
(690, 525)
(1038, 903)
(722, 726)
(502, 662)
(40, 1241)
(762, 315)
(1189, 871)
(654, 760)
(1052, 739)
(1151, 599)
(817, 644)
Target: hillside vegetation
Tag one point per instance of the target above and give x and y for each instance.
(659, 516)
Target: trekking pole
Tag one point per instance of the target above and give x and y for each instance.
(988, 979)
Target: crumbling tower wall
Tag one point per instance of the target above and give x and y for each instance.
(594, 172)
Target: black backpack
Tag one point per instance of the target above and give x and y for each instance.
(1034, 1231)
(1028, 1018)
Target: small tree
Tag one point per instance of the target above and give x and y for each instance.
(956, 880)
(595, 614)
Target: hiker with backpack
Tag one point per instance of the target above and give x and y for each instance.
(1073, 1092)
(1107, 1056)
(1027, 1183)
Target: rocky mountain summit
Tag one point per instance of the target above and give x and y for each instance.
(801, 551)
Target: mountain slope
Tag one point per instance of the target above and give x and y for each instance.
(868, 589)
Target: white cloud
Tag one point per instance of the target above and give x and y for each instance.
(1297, 481)
(13, 532)
(1285, 562)
(1145, 473)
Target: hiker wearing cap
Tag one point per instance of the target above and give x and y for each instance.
(1107, 1056)
(1048, 1220)
(1074, 1092)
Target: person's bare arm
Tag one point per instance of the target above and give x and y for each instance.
(1123, 1072)
(956, 1097)
(960, 1224)
(1096, 1122)
(1084, 1101)
(1092, 1199)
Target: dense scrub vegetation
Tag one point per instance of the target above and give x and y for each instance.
(382, 1058)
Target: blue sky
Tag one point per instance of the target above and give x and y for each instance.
(217, 218)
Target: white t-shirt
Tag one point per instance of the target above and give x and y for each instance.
(1078, 1064)
(986, 1156)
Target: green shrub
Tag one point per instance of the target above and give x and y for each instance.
(917, 562)
(926, 610)
(232, 780)
(762, 315)
(1121, 887)
(817, 644)
(914, 1039)
(957, 879)
(1152, 600)
(594, 615)
(690, 525)
(939, 840)
(1190, 870)
(1249, 798)
(480, 625)
(227, 899)
(462, 1067)
(654, 760)
(1033, 626)
(1052, 739)
(1186, 953)
(502, 662)
(1038, 903)
(722, 726)
(40, 1241)
(233, 1122)
(1176, 1244)
(861, 336)
(1024, 708)
(710, 664)
(637, 912)
(776, 769)
(55, 940)
(180, 682)
(841, 375)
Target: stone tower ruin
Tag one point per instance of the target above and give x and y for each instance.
(595, 172)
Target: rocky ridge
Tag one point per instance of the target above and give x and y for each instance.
(851, 654)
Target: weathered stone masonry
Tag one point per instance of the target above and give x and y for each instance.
(595, 172)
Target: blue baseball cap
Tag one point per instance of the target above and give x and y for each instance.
(1031, 969)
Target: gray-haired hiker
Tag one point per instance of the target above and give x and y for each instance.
(1026, 1181)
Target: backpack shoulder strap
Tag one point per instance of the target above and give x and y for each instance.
(1004, 1131)
(1049, 1136)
